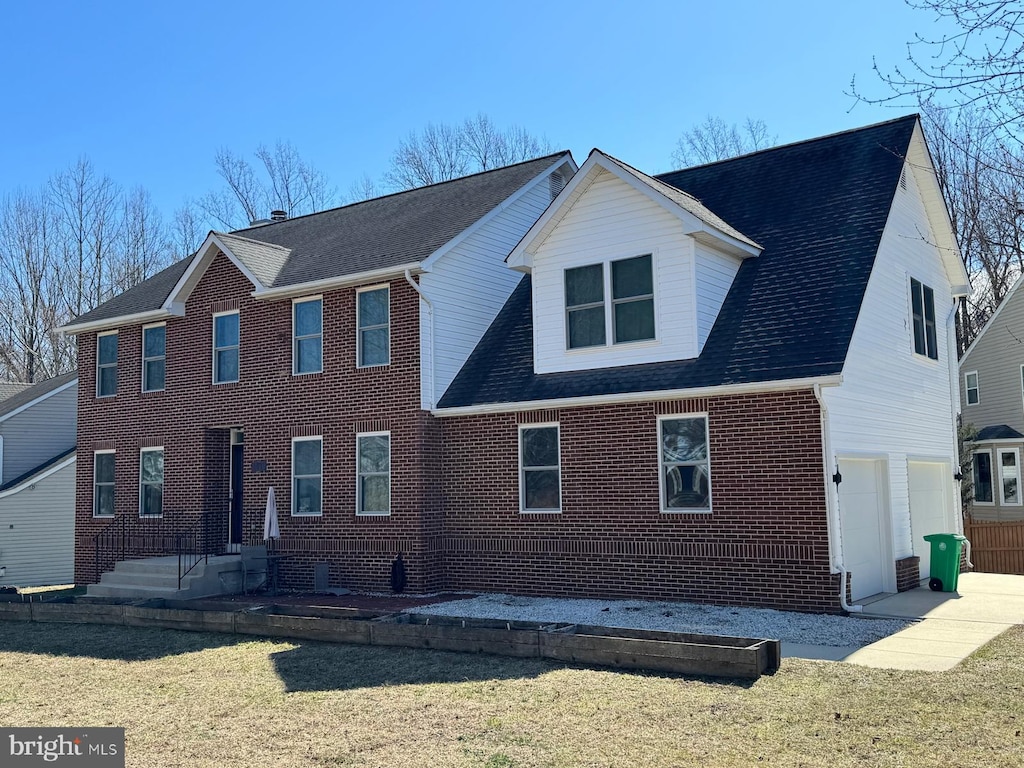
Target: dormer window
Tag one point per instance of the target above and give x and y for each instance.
(590, 320)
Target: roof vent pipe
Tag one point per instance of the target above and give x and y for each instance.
(278, 215)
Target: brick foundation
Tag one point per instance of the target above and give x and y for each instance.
(908, 573)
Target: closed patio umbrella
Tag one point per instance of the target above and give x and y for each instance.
(270, 529)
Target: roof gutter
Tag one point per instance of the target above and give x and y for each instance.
(430, 331)
(72, 329)
(330, 283)
(781, 385)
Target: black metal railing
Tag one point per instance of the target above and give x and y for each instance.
(207, 536)
(129, 537)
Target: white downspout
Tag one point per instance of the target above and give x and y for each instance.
(831, 510)
(430, 336)
(954, 397)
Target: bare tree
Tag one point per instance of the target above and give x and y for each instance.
(187, 231)
(364, 188)
(715, 140)
(978, 64)
(86, 206)
(145, 247)
(442, 152)
(30, 306)
(282, 180)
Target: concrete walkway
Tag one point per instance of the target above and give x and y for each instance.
(952, 625)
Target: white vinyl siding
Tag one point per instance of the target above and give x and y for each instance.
(715, 273)
(461, 317)
(38, 433)
(38, 524)
(865, 418)
(609, 222)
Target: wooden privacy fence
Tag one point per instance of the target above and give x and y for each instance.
(996, 547)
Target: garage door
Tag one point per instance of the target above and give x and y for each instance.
(930, 491)
(861, 510)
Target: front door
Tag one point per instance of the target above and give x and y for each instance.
(235, 507)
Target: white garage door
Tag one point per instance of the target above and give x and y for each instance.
(861, 511)
(930, 489)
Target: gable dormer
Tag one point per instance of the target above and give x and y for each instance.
(626, 269)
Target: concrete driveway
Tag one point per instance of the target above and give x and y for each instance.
(953, 624)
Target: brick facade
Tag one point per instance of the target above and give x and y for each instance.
(454, 481)
(765, 542)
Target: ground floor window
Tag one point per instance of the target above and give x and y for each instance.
(373, 473)
(983, 477)
(539, 469)
(307, 476)
(103, 484)
(151, 482)
(685, 467)
(1009, 476)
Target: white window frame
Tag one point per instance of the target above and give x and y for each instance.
(1022, 383)
(145, 359)
(217, 350)
(296, 338)
(993, 474)
(359, 329)
(151, 449)
(661, 465)
(977, 387)
(96, 484)
(523, 509)
(1020, 489)
(100, 367)
(926, 354)
(359, 476)
(609, 302)
(294, 493)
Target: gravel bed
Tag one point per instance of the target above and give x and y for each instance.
(789, 627)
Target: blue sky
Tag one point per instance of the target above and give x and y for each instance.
(149, 90)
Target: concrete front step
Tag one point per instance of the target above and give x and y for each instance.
(158, 577)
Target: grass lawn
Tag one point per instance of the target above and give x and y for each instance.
(189, 699)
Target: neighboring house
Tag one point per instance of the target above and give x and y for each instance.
(992, 393)
(11, 388)
(277, 355)
(37, 483)
(733, 383)
(662, 405)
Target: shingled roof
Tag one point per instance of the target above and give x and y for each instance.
(35, 392)
(398, 229)
(817, 208)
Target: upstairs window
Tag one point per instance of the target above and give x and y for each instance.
(685, 469)
(922, 300)
(307, 328)
(590, 320)
(374, 327)
(106, 364)
(971, 385)
(225, 347)
(154, 340)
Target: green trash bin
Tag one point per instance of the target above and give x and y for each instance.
(945, 567)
